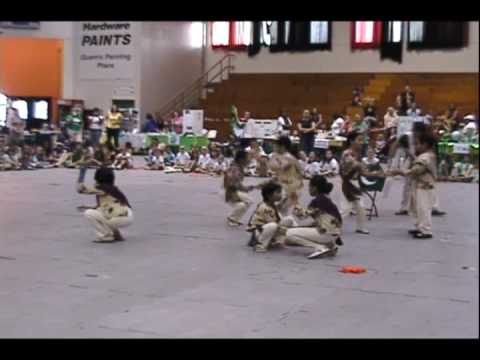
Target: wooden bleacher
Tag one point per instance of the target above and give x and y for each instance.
(265, 94)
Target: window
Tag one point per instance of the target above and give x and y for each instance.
(231, 34)
(21, 106)
(391, 46)
(437, 34)
(416, 31)
(196, 35)
(366, 34)
(40, 110)
(220, 33)
(265, 36)
(319, 32)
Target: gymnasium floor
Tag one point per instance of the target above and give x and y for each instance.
(183, 273)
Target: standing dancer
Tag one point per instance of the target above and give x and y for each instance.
(350, 169)
(422, 196)
(287, 172)
(406, 144)
(112, 211)
(235, 191)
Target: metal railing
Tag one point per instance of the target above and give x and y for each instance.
(194, 92)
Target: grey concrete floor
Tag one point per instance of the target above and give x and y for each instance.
(183, 273)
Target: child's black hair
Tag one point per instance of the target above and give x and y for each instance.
(427, 139)
(269, 189)
(105, 176)
(240, 155)
(403, 141)
(351, 137)
(285, 142)
(321, 184)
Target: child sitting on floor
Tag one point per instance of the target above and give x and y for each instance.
(312, 168)
(123, 160)
(323, 235)
(169, 157)
(266, 225)
(203, 159)
(462, 171)
(182, 158)
(155, 160)
(329, 166)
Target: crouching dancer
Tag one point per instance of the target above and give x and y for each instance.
(323, 235)
(113, 210)
(268, 228)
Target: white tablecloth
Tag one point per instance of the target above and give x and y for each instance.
(137, 140)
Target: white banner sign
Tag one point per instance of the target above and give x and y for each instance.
(405, 124)
(106, 50)
(260, 129)
(461, 148)
(193, 121)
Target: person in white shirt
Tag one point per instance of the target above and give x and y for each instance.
(329, 166)
(182, 157)
(337, 125)
(471, 127)
(390, 120)
(95, 121)
(284, 124)
(203, 159)
(258, 160)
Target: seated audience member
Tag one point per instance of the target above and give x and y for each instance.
(8, 162)
(329, 166)
(151, 125)
(312, 168)
(356, 97)
(40, 159)
(155, 159)
(169, 157)
(370, 111)
(211, 163)
(302, 160)
(452, 117)
(192, 164)
(371, 159)
(123, 160)
(27, 158)
(203, 159)
(258, 160)
(347, 126)
(337, 125)
(381, 147)
(462, 171)
(101, 154)
(182, 158)
(470, 129)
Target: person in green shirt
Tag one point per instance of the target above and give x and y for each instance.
(74, 124)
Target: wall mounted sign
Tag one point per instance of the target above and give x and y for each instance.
(106, 50)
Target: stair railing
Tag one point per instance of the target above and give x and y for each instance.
(193, 92)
